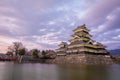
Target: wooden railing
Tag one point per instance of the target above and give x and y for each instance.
(87, 50)
(73, 40)
(87, 45)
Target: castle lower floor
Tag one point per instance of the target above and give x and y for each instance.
(82, 59)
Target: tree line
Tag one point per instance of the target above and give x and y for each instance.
(18, 49)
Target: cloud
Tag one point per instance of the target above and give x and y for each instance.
(98, 11)
(49, 38)
(115, 44)
(110, 25)
(51, 23)
(43, 24)
(3, 49)
(11, 25)
(117, 37)
(6, 9)
(41, 30)
(5, 41)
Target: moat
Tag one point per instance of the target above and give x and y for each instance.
(37, 71)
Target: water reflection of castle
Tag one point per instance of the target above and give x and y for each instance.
(82, 43)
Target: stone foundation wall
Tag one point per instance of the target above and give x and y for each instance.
(82, 59)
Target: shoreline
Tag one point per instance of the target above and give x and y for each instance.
(76, 59)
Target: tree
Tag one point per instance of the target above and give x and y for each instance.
(48, 54)
(51, 54)
(9, 53)
(22, 51)
(44, 53)
(35, 53)
(15, 47)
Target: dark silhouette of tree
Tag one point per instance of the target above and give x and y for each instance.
(35, 53)
(9, 53)
(44, 53)
(15, 47)
(22, 51)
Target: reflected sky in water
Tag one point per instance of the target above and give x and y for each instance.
(37, 71)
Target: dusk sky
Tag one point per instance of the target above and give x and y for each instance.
(43, 24)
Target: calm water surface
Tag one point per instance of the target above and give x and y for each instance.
(37, 71)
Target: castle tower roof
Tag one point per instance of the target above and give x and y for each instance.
(81, 28)
(82, 42)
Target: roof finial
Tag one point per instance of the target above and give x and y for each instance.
(84, 25)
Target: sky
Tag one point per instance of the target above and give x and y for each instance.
(43, 24)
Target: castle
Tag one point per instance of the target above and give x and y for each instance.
(82, 43)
